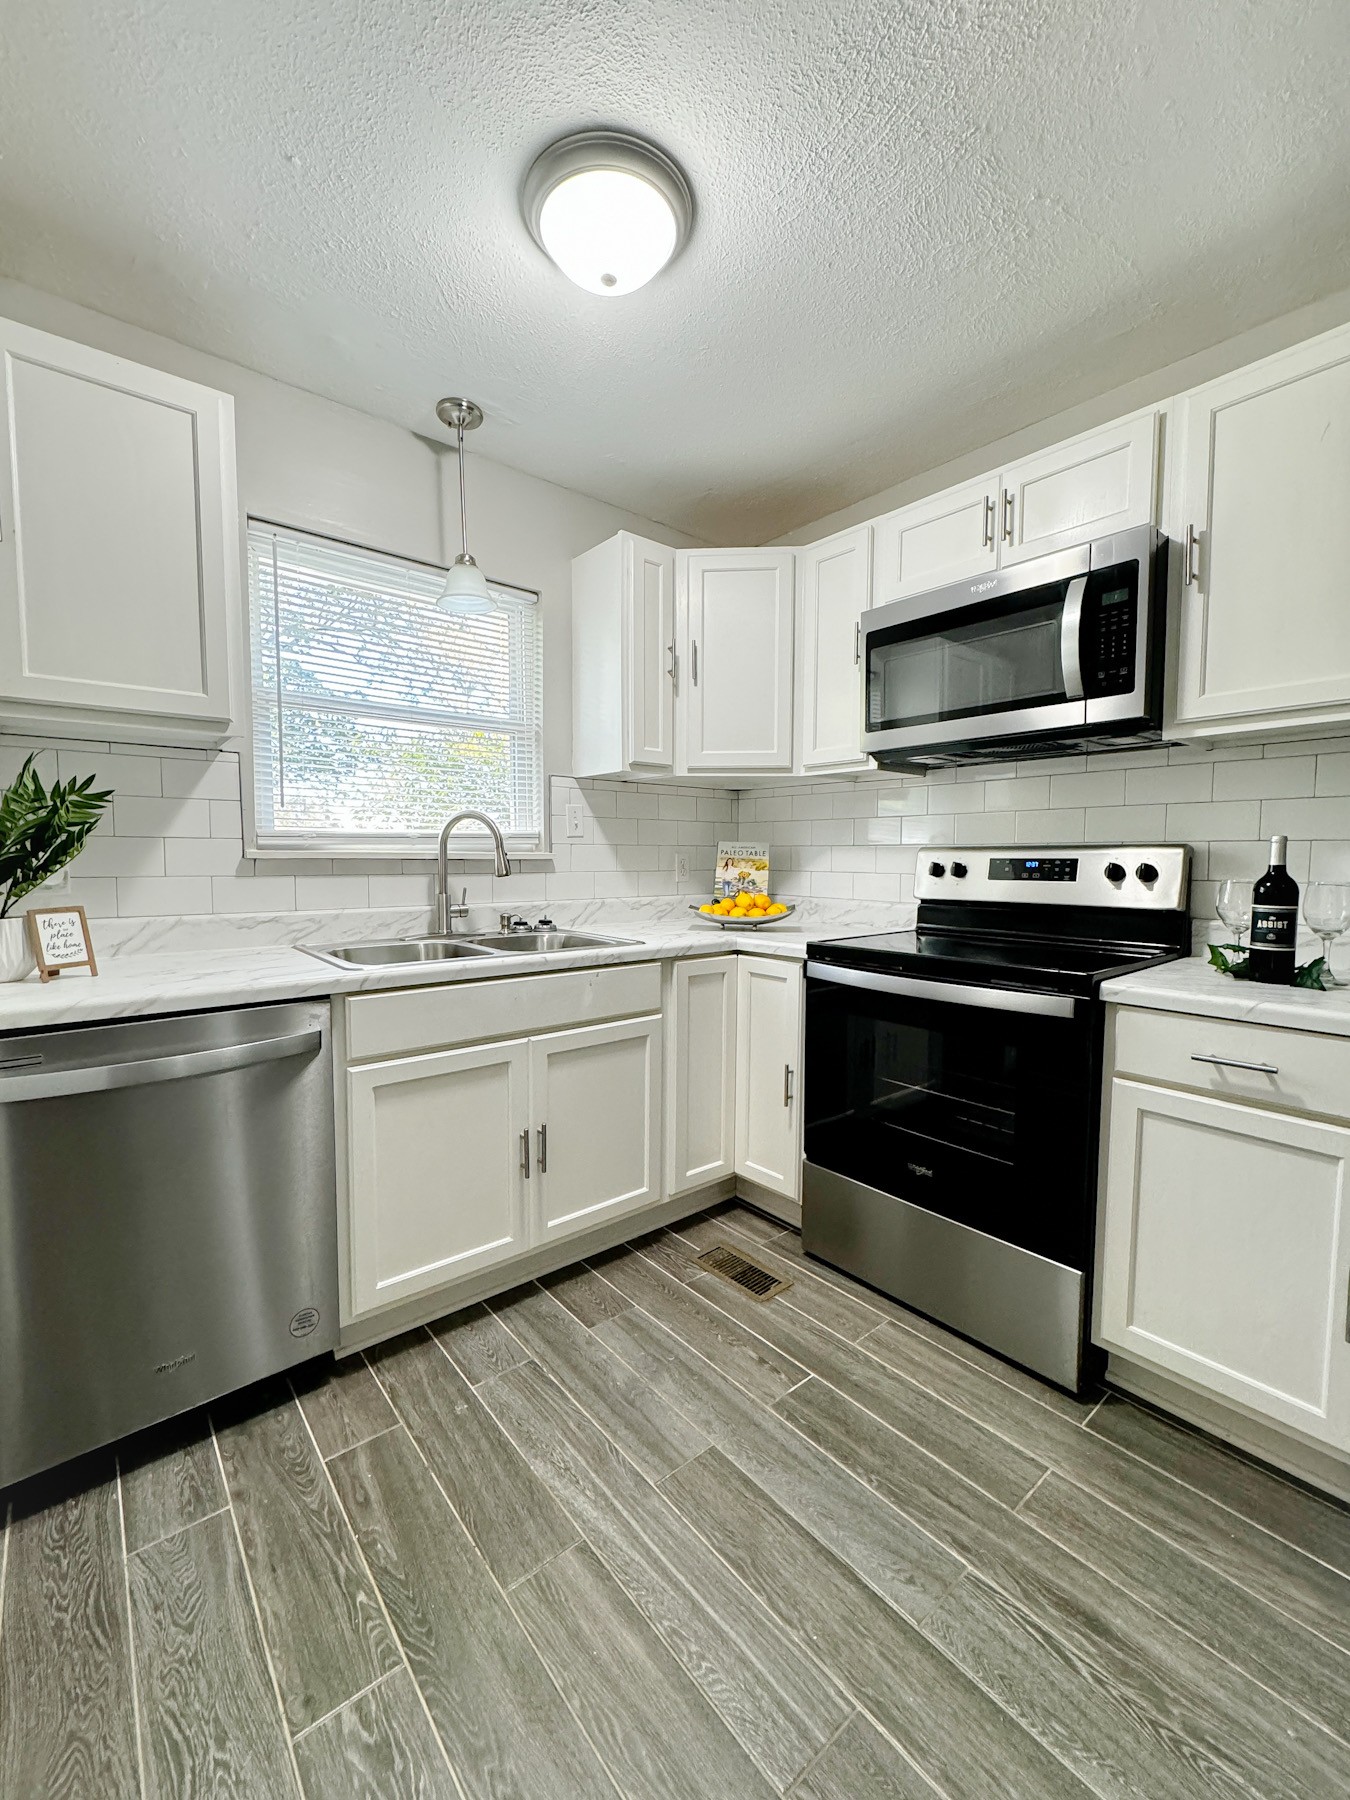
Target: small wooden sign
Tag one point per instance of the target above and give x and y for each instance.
(60, 939)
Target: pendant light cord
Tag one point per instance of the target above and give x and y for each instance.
(463, 508)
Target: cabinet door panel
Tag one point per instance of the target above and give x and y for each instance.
(768, 1060)
(1226, 1252)
(649, 593)
(942, 539)
(1265, 472)
(701, 1064)
(1084, 489)
(435, 1178)
(596, 1095)
(737, 669)
(118, 549)
(834, 584)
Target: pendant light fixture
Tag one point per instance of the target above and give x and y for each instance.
(610, 209)
(466, 590)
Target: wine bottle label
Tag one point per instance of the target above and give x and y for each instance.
(1275, 927)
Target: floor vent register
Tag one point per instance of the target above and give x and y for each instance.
(762, 1283)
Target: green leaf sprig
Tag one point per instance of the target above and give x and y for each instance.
(1232, 959)
(42, 829)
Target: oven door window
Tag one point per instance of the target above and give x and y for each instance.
(999, 656)
(984, 1117)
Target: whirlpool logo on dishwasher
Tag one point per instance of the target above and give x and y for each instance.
(176, 1362)
(919, 1169)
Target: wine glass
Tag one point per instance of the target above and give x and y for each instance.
(1235, 906)
(1326, 910)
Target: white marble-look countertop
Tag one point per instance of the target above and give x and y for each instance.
(138, 985)
(1192, 986)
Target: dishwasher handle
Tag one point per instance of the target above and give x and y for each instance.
(57, 1083)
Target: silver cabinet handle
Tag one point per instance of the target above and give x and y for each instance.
(787, 1084)
(1232, 1062)
(542, 1156)
(1190, 572)
(674, 670)
(857, 642)
(693, 665)
(60, 1082)
(1008, 505)
(525, 1152)
(987, 534)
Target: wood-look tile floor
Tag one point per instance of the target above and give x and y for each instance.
(629, 1532)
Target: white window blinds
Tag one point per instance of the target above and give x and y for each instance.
(375, 715)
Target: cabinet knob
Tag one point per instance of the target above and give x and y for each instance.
(936, 868)
(960, 871)
(1146, 872)
(1114, 872)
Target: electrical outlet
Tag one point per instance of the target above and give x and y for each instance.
(681, 866)
(575, 828)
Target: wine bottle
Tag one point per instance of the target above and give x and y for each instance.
(1274, 919)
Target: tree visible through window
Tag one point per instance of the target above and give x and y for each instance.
(376, 715)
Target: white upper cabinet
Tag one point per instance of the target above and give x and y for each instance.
(1258, 509)
(736, 663)
(834, 585)
(624, 672)
(1087, 488)
(945, 538)
(119, 545)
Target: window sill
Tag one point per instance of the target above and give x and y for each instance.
(469, 849)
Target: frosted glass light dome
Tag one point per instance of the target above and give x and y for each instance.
(609, 209)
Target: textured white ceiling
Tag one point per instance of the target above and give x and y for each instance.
(921, 223)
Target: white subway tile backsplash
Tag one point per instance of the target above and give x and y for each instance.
(215, 779)
(1057, 825)
(1021, 793)
(1125, 824)
(123, 774)
(263, 893)
(1093, 788)
(1182, 781)
(331, 893)
(153, 896)
(227, 819)
(1333, 774)
(105, 854)
(137, 815)
(1208, 819)
(202, 856)
(959, 797)
(1281, 777)
(1326, 818)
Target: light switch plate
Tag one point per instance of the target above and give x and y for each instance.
(681, 866)
(575, 828)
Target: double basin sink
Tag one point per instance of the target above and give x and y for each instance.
(447, 949)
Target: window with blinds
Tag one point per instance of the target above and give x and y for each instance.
(375, 715)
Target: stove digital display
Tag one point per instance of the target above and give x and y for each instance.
(1033, 868)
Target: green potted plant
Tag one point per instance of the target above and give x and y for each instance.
(41, 830)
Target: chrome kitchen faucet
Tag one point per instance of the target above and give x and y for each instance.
(445, 912)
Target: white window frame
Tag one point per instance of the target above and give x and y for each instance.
(466, 844)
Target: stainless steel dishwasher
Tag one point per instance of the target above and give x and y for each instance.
(168, 1220)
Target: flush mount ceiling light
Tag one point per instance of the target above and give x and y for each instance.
(609, 209)
(466, 590)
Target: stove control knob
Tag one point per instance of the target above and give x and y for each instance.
(960, 871)
(1146, 872)
(937, 868)
(1114, 872)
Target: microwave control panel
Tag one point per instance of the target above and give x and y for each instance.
(1108, 655)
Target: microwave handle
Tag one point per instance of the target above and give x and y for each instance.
(1070, 636)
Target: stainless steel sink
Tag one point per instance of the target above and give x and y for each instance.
(398, 950)
(538, 943)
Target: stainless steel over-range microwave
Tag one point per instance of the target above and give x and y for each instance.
(1061, 654)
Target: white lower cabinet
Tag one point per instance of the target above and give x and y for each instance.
(768, 1064)
(435, 1168)
(595, 1104)
(1225, 1254)
(701, 1072)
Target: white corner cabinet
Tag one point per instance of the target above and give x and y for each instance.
(834, 589)
(487, 1128)
(1224, 1239)
(119, 546)
(1257, 506)
(1087, 487)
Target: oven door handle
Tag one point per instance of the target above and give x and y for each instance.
(1070, 636)
(947, 993)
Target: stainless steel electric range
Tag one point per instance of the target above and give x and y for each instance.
(953, 1087)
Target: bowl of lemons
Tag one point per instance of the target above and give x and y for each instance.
(744, 910)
